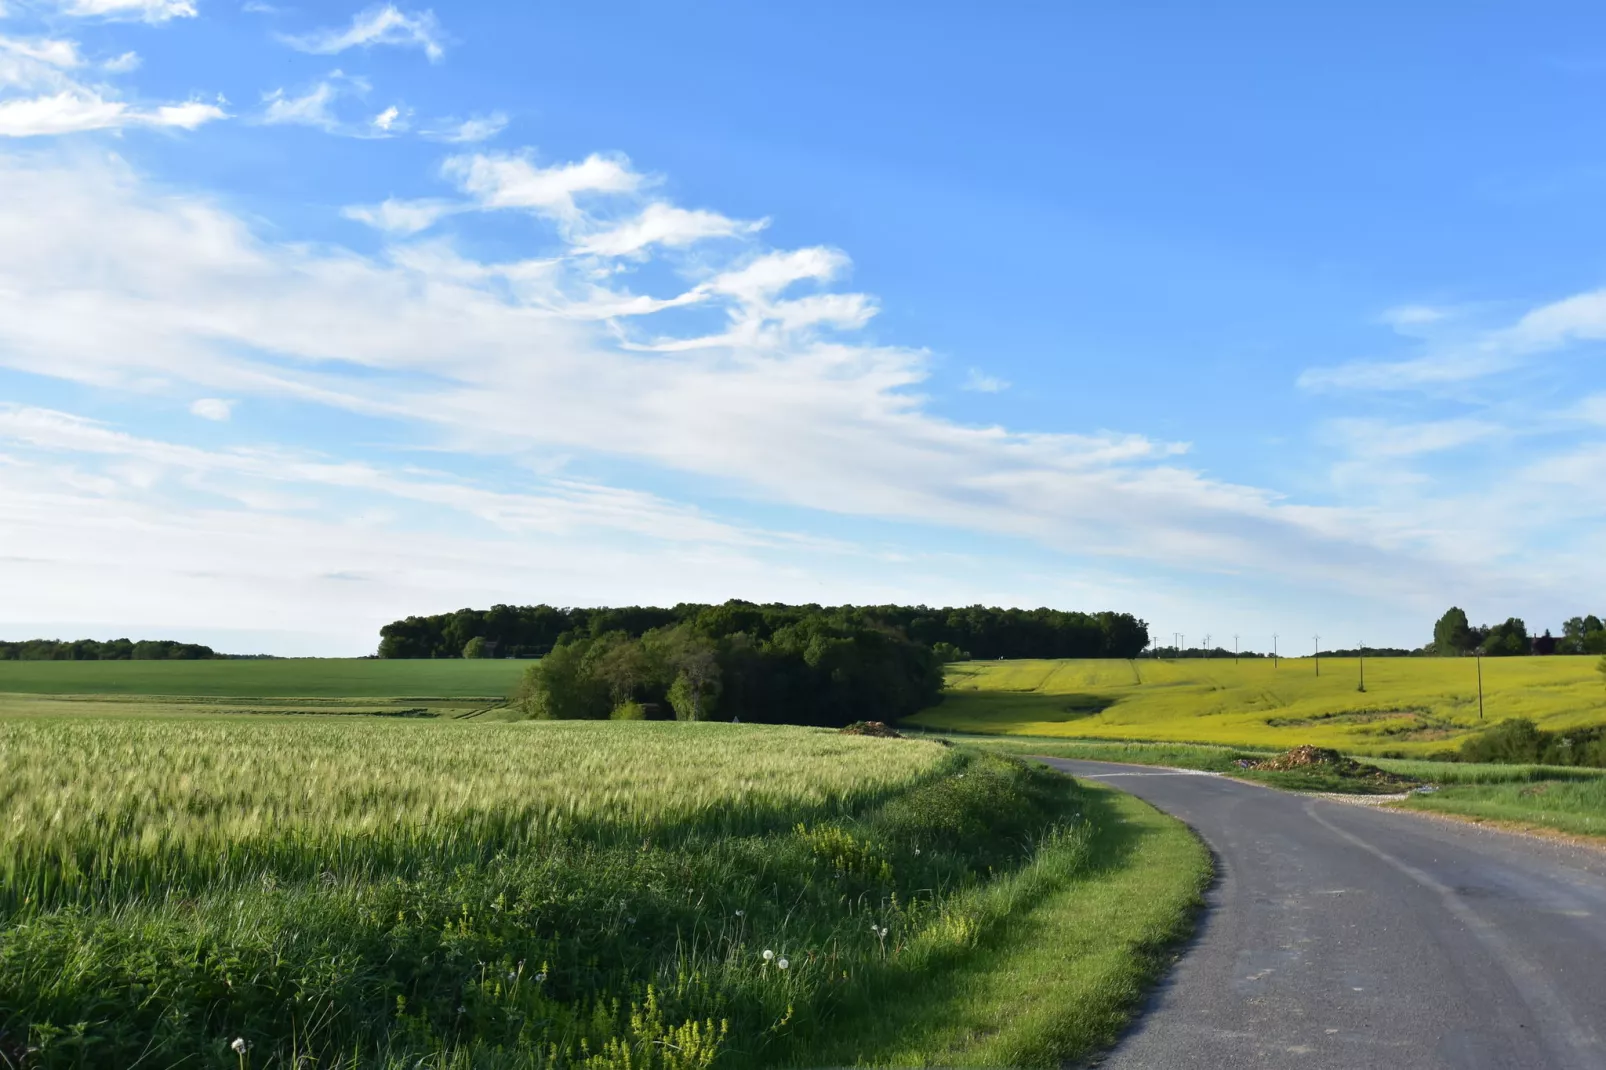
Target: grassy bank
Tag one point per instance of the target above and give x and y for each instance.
(1411, 706)
(433, 894)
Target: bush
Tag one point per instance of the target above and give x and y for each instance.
(1520, 741)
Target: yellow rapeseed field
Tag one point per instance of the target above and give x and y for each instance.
(1410, 705)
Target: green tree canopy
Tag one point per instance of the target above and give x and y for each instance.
(1452, 635)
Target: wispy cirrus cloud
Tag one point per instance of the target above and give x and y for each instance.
(1469, 355)
(384, 25)
(43, 93)
(152, 11)
(317, 106)
(395, 216)
(467, 131)
(531, 358)
(981, 383)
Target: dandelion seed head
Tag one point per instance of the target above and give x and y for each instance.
(769, 956)
(240, 1046)
(783, 964)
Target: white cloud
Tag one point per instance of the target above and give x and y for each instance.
(981, 383)
(73, 112)
(57, 102)
(530, 359)
(218, 409)
(469, 131)
(309, 109)
(383, 25)
(1374, 438)
(390, 121)
(32, 63)
(401, 217)
(665, 224)
(1405, 316)
(153, 11)
(515, 182)
(123, 64)
(1549, 328)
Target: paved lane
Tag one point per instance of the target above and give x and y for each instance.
(1346, 937)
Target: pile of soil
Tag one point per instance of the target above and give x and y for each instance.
(879, 729)
(1325, 760)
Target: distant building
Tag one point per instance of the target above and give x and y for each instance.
(1544, 645)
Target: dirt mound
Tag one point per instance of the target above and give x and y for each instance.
(1309, 759)
(879, 729)
(1303, 757)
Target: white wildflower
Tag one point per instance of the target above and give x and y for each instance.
(769, 956)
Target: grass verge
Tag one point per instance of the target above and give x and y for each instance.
(1086, 933)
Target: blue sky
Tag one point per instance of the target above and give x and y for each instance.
(1271, 320)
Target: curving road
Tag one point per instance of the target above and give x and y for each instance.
(1346, 937)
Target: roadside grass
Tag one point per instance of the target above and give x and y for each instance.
(390, 893)
(299, 678)
(1087, 933)
(1567, 799)
(1576, 806)
(1411, 706)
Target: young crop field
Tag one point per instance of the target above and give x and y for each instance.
(273, 687)
(367, 892)
(267, 678)
(1411, 706)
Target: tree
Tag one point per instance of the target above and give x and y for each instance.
(558, 687)
(692, 663)
(1452, 636)
(1508, 640)
(476, 648)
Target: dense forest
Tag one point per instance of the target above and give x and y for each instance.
(825, 668)
(955, 634)
(110, 650)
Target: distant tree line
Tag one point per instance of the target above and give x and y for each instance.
(110, 650)
(1454, 635)
(953, 634)
(793, 665)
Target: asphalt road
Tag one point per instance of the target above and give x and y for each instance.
(1346, 937)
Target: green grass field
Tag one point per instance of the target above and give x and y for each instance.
(1411, 706)
(367, 892)
(267, 678)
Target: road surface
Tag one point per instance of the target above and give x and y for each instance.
(1346, 937)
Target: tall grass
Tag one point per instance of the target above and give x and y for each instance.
(430, 894)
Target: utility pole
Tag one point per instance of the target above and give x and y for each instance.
(1363, 668)
(1274, 650)
(1208, 650)
(1318, 641)
(1235, 648)
(1480, 685)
